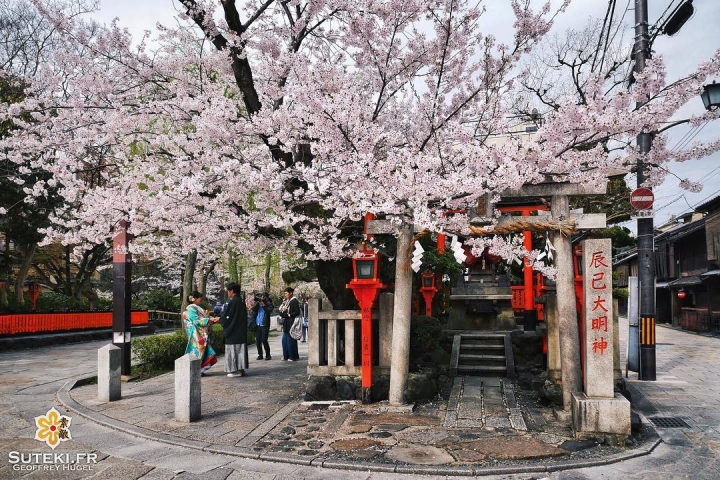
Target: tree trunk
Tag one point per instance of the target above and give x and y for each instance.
(400, 360)
(268, 266)
(190, 261)
(89, 292)
(3, 295)
(223, 292)
(232, 267)
(333, 276)
(25, 264)
(68, 282)
(204, 277)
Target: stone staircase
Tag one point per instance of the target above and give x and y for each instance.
(486, 354)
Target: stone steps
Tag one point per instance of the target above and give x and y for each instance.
(482, 353)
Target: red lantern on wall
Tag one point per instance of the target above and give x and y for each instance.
(681, 294)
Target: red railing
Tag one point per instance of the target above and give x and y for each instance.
(56, 322)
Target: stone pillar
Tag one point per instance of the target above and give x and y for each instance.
(109, 362)
(617, 370)
(566, 310)
(598, 341)
(187, 389)
(332, 339)
(599, 410)
(553, 338)
(400, 362)
(349, 343)
(313, 332)
(386, 328)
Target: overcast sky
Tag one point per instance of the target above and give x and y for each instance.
(695, 42)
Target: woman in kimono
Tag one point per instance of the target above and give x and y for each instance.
(196, 325)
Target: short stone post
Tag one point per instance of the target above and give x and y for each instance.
(109, 362)
(187, 388)
(599, 410)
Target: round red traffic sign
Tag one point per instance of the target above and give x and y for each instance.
(642, 198)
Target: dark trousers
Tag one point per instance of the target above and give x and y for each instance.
(261, 340)
(289, 347)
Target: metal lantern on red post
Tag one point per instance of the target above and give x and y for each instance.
(365, 285)
(33, 293)
(428, 290)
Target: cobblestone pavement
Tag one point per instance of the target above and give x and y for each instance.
(258, 427)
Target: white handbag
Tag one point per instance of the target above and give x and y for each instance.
(296, 329)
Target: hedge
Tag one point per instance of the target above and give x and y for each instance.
(159, 352)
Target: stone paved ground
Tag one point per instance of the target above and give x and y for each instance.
(482, 425)
(262, 411)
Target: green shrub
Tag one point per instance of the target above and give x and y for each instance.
(218, 343)
(425, 335)
(159, 352)
(57, 302)
(620, 293)
(160, 300)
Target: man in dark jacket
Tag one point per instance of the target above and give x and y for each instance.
(234, 323)
(261, 313)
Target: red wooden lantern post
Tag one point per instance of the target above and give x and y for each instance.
(428, 290)
(365, 285)
(33, 293)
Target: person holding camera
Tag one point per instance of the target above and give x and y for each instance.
(261, 311)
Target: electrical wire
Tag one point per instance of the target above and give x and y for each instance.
(687, 142)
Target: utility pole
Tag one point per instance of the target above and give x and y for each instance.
(645, 239)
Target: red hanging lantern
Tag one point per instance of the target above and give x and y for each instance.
(681, 294)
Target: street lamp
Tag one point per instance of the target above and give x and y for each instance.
(711, 96)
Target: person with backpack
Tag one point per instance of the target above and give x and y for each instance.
(262, 309)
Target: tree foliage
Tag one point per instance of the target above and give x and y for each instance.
(285, 122)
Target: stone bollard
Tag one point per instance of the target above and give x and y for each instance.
(187, 389)
(109, 373)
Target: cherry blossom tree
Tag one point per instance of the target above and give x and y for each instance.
(285, 121)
